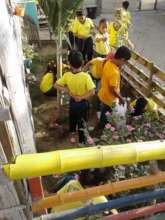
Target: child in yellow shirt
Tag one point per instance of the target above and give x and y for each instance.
(126, 15)
(80, 87)
(86, 178)
(110, 83)
(102, 47)
(83, 30)
(48, 80)
(142, 105)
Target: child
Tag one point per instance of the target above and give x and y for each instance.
(80, 87)
(83, 30)
(118, 35)
(115, 33)
(126, 15)
(102, 47)
(48, 79)
(110, 83)
(142, 105)
(86, 178)
(96, 68)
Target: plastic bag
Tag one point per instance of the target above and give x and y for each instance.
(119, 115)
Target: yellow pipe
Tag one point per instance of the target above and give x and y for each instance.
(41, 164)
(107, 189)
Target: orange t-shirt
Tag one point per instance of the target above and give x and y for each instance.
(110, 77)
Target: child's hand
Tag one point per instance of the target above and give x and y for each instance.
(65, 91)
(78, 98)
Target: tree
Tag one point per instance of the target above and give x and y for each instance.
(59, 12)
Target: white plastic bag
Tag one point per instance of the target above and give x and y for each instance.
(119, 115)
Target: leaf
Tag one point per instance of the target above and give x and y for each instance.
(59, 9)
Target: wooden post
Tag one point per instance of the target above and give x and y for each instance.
(155, 4)
(151, 68)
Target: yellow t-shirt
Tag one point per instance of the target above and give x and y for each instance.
(83, 30)
(126, 17)
(117, 38)
(110, 77)
(97, 65)
(47, 82)
(71, 186)
(72, 24)
(112, 35)
(77, 83)
(151, 105)
(102, 47)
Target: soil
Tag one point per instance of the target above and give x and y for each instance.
(51, 128)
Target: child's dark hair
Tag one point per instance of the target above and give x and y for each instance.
(79, 13)
(51, 67)
(103, 20)
(125, 4)
(94, 177)
(75, 59)
(140, 106)
(123, 52)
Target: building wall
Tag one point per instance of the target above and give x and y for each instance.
(16, 134)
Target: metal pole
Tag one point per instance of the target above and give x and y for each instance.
(116, 203)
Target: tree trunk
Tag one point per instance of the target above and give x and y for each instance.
(59, 50)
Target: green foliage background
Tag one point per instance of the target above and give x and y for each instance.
(52, 10)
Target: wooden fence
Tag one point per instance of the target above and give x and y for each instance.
(147, 79)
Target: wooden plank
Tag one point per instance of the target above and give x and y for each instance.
(157, 87)
(6, 142)
(143, 61)
(160, 74)
(158, 100)
(136, 79)
(137, 71)
(4, 114)
(135, 84)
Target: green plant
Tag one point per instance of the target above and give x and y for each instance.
(59, 12)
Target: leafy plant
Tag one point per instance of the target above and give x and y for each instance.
(66, 8)
(59, 12)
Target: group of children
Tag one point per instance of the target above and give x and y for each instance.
(85, 37)
(80, 87)
(104, 78)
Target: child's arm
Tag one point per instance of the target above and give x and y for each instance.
(103, 38)
(116, 94)
(86, 96)
(130, 44)
(62, 89)
(87, 65)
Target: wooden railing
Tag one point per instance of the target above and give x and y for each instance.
(147, 79)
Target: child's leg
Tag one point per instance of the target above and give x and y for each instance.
(71, 39)
(88, 48)
(103, 118)
(82, 122)
(72, 119)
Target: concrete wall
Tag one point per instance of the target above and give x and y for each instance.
(17, 133)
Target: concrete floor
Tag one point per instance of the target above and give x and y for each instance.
(148, 29)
